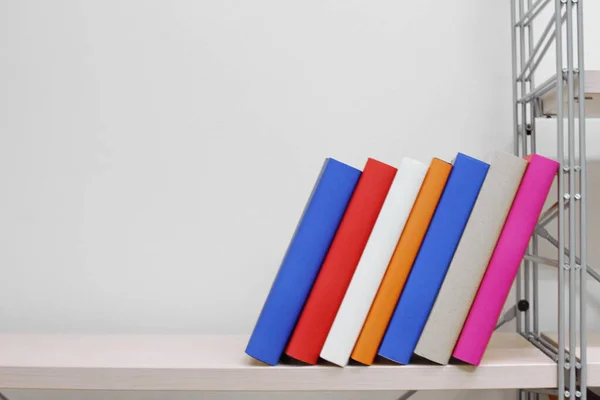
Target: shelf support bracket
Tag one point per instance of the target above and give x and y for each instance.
(543, 233)
(533, 12)
(537, 47)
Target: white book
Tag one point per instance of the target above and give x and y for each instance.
(471, 258)
(373, 262)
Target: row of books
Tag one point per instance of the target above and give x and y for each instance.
(396, 262)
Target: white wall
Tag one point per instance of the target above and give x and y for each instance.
(155, 156)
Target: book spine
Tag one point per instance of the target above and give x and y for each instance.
(434, 257)
(471, 258)
(373, 262)
(401, 261)
(302, 261)
(346, 249)
(505, 260)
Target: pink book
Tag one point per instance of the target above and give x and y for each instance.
(504, 263)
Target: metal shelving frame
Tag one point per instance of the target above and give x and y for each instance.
(564, 31)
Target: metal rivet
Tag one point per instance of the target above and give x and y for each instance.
(577, 268)
(577, 168)
(577, 196)
(566, 168)
(567, 394)
(578, 365)
(567, 196)
(567, 365)
(566, 267)
(575, 1)
(577, 393)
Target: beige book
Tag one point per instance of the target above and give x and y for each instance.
(471, 258)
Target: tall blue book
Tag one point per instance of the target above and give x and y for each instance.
(433, 259)
(302, 261)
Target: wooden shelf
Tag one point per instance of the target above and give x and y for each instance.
(593, 354)
(218, 363)
(592, 97)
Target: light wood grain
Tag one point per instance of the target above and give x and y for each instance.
(218, 363)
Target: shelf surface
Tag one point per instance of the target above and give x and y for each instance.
(218, 363)
(593, 355)
(592, 97)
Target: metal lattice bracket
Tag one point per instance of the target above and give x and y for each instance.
(564, 31)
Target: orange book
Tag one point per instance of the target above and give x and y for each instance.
(401, 262)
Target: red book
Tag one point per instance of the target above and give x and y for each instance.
(342, 258)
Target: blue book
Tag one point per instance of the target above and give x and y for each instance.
(302, 261)
(433, 259)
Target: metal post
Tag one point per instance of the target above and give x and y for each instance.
(571, 199)
(582, 207)
(514, 81)
(532, 129)
(561, 207)
(513, 34)
(522, 58)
